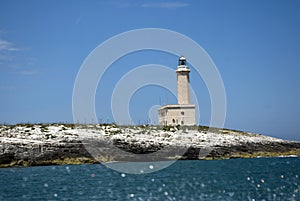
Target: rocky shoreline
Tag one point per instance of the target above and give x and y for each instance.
(51, 144)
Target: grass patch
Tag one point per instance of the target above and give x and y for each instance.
(295, 152)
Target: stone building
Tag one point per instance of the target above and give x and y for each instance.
(182, 113)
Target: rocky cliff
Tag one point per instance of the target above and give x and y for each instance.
(45, 144)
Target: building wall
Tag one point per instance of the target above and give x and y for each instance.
(183, 87)
(177, 116)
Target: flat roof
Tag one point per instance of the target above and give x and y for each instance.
(177, 106)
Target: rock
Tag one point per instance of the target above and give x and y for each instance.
(64, 144)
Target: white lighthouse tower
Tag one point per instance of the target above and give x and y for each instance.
(183, 82)
(182, 113)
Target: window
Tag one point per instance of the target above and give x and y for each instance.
(182, 122)
(173, 121)
(182, 113)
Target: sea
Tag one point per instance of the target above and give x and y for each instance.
(232, 179)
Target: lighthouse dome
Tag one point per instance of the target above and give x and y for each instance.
(182, 62)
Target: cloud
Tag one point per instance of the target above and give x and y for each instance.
(6, 49)
(7, 46)
(169, 4)
(13, 60)
(27, 72)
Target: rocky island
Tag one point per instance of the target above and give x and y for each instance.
(49, 144)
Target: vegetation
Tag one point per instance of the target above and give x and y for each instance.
(61, 161)
(295, 152)
(169, 128)
(130, 140)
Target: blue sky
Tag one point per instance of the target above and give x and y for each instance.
(254, 44)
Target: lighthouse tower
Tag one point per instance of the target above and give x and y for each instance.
(182, 113)
(183, 82)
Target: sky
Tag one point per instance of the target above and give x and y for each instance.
(255, 46)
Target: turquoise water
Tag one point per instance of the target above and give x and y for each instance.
(235, 179)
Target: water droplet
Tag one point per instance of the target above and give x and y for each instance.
(55, 195)
(281, 176)
(151, 167)
(152, 180)
(141, 171)
(258, 185)
(164, 185)
(123, 175)
(92, 175)
(166, 193)
(131, 195)
(262, 181)
(46, 185)
(248, 178)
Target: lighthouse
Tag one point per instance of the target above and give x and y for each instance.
(182, 113)
(183, 82)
